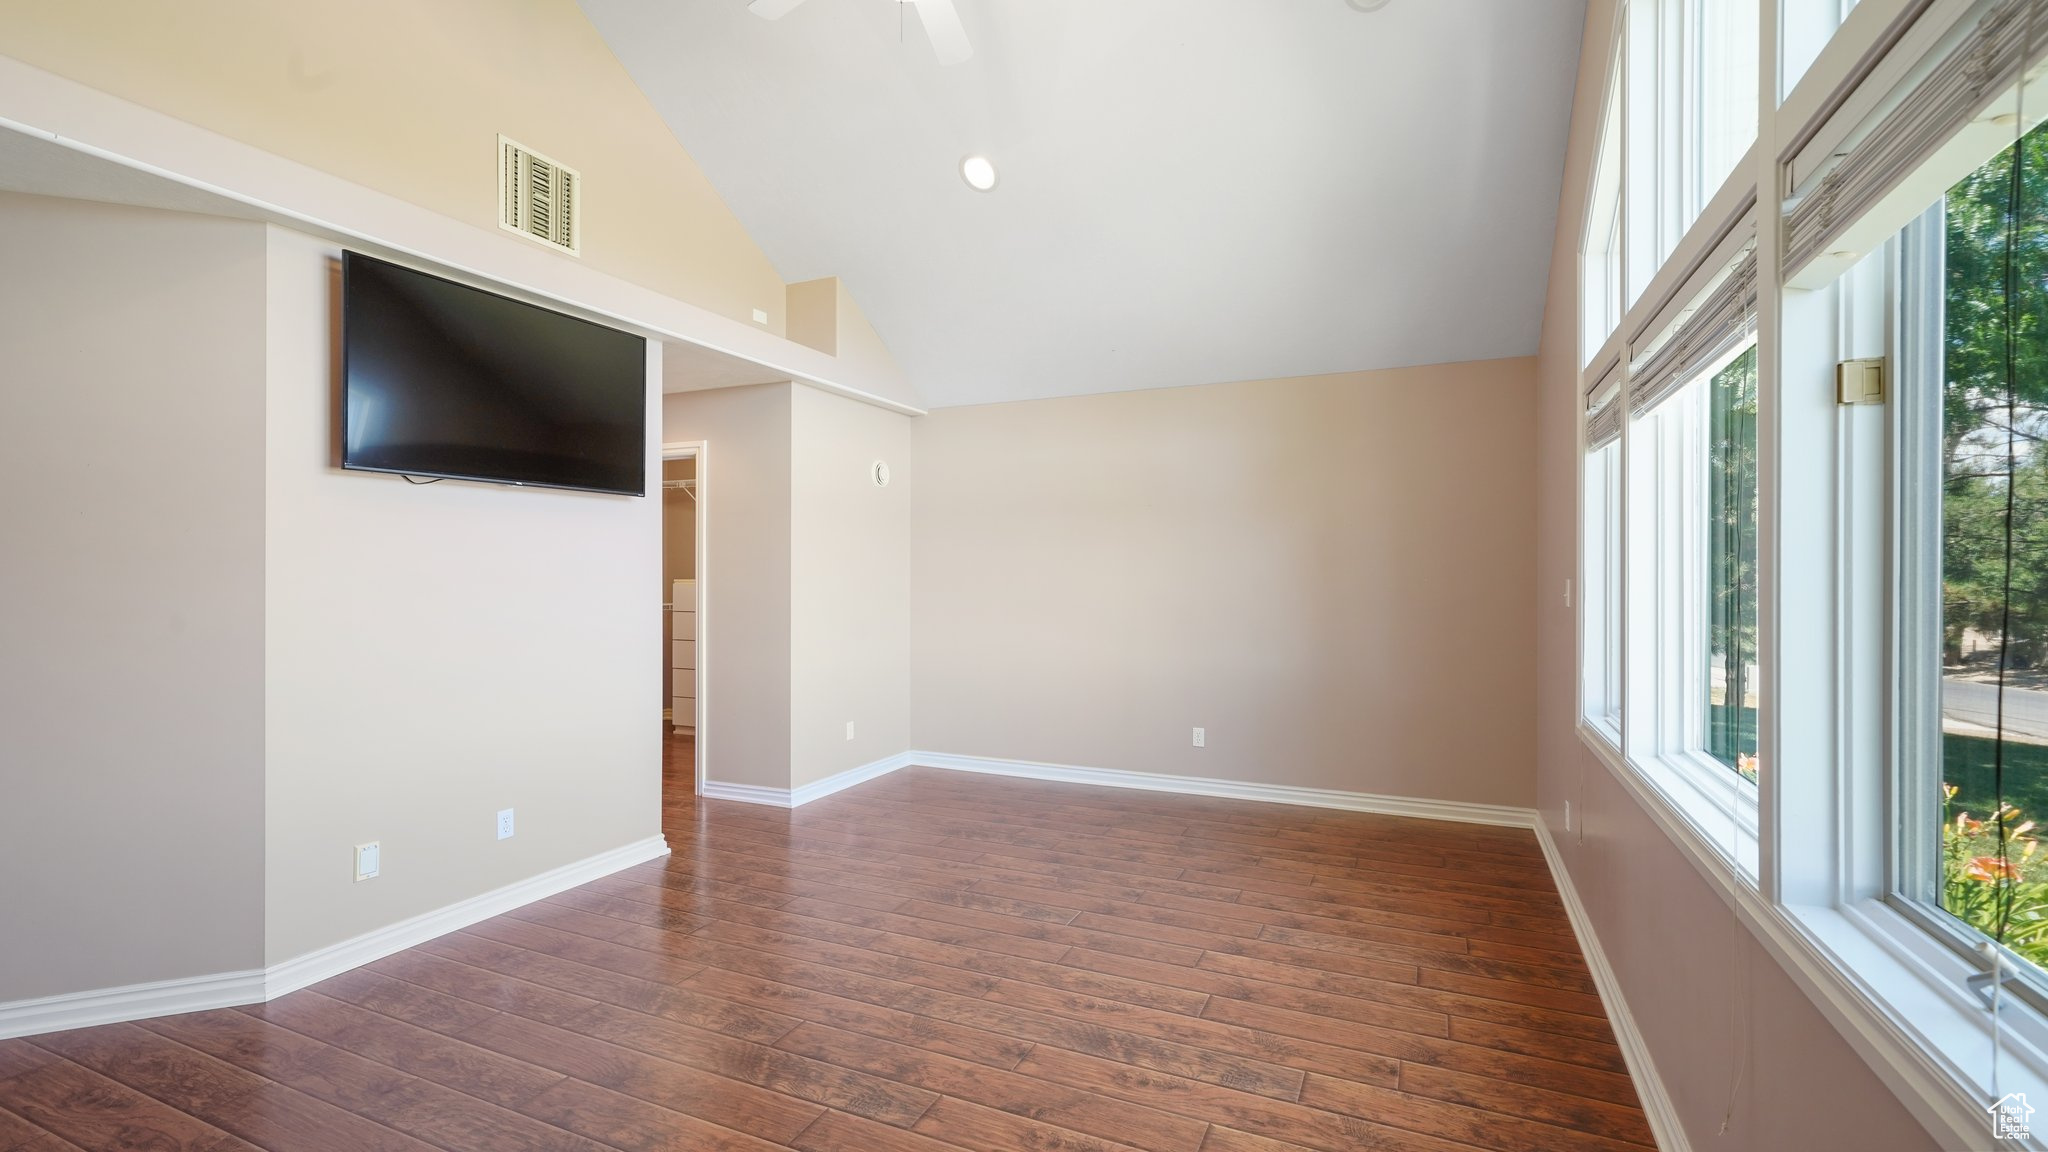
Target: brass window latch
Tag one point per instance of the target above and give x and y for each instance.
(1860, 381)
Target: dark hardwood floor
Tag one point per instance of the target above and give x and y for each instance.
(928, 961)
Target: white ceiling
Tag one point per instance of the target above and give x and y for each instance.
(1191, 190)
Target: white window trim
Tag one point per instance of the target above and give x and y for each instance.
(1902, 991)
(1603, 731)
(1719, 803)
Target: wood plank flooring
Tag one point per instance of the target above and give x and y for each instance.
(931, 961)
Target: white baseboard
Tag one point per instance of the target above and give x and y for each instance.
(815, 790)
(1235, 790)
(1635, 1052)
(130, 1002)
(333, 960)
(819, 789)
(256, 985)
(1104, 777)
(745, 793)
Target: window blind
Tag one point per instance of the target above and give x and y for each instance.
(1724, 318)
(1603, 411)
(1979, 67)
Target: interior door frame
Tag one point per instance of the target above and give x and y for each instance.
(696, 450)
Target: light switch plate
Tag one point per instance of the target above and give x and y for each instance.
(369, 858)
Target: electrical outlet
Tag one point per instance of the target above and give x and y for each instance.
(505, 824)
(849, 729)
(1567, 815)
(760, 316)
(1201, 738)
(368, 857)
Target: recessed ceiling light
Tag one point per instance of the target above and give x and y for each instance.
(979, 172)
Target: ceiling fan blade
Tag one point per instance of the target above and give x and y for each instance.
(942, 24)
(772, 9)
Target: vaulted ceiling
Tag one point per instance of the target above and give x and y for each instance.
(1190, 190)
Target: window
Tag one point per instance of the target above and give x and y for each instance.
(1691, 549)
(1600, 580)
(1804, 28)
(1600, 271)
(1722, 120)
(1871, 579)
(1731, 566)
(1691, 115)
(1975, 775)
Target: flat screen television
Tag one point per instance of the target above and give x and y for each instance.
(452, 382)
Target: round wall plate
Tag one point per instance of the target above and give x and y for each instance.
(879, 473)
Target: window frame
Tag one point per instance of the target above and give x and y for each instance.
(1825, 905)
(1916, 557)
(1912, 872)
(1668, 57)
(1664, 547)
(1601, 265)
(1601, 596)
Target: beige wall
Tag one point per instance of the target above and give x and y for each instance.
(861, 348)
(850, 557)
(1329, 574)
(1717, 1007)
(436, 653)
(806, 621)
(131, 596)
(823, 315)
(814, 314)
(744, 631)
(408, 99)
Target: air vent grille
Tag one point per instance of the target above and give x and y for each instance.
(537, 197)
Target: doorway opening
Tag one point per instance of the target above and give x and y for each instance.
(682, 608)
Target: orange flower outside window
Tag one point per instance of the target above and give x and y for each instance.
(1991, 870)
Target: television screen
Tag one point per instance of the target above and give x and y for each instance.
(449, 381)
